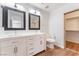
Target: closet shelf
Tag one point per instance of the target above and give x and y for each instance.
(72, 30)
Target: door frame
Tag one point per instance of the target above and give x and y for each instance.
(64, 24)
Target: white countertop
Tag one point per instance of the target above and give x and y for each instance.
(19, 35)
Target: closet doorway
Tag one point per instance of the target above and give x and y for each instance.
(71, 28)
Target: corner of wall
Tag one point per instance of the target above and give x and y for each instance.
(59, 45)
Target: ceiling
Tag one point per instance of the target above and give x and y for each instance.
(48, 6)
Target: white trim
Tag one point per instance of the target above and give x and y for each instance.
(59, 45)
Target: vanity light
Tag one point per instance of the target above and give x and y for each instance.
(14, 5)
(8, 4)
(34, 11)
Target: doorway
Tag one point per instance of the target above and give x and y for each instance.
(71, 29)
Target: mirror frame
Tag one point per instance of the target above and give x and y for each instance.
(5, 19)
(30, 19)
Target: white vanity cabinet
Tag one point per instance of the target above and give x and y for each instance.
(12, 47)
(35, 44)
(23, 45)
(7, 47)
(40, 43)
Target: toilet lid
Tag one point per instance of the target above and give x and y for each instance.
(50, 40)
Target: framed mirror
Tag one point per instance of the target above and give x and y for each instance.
(13, 19)
(34, 22)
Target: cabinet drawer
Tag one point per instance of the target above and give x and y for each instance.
(30, 40)
(30, 43)
(31, 48)
(8, 43)
(6, 51)
(31, 53)
(5, 44)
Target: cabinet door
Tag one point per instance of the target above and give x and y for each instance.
(6, 47)
(20, 49)
(14, 46)
(7, 51)
(39, 43)
(42, 42)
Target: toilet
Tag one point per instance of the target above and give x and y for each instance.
(50, 43)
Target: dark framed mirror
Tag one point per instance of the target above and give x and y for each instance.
(13, 19)
(34, 22)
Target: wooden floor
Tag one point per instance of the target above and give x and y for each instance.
(72, 45)
(57, 52)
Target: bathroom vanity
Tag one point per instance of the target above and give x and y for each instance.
(22, 45)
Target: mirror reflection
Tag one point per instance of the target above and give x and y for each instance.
(15, 19)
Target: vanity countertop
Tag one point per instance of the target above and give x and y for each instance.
(19, 35)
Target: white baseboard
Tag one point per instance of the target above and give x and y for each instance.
(59, 45)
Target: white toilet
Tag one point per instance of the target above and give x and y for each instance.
(50, 43)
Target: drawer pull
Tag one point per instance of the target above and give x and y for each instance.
(41, 42)
(15, 50)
